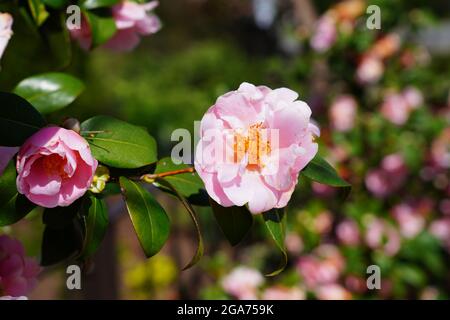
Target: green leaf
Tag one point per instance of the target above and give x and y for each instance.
(275, 222)
(59, 244)
(15, 209)
(102, 28)
(97, 220)
(149, 219)
(49, 92)
(8, 183)
(18, 120)
(60, 217)
(119, 144)
(235, 222)
(187, 184)
(55, 4)
(38, 11)
(321, 171)
(200, 247)
(93, 4)
(13, 206)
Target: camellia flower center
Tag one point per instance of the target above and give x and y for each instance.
(254, 144)
(54, 165)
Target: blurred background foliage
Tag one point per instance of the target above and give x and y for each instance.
(208, 47)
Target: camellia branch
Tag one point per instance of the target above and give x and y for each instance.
(150, 178)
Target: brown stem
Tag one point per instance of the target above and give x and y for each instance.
(150, 177)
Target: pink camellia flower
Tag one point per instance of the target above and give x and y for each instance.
(283, 293)
(389, 178)
(369, 70)
(6, 21)
(6, 154)
(17, 272)
(253, 143)
(410, 221)
(325, 34)
(348, 232)
(133, 20)
(381, 235)
(55, 167)
(243, 283)
(343, 113)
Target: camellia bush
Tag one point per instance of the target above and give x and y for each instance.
(68, 169)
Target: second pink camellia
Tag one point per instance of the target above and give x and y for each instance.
(266, 138)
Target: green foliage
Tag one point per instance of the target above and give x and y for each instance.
(150, 221)
(18, 120)
(235, 222)
(119, 144)
(50, 91)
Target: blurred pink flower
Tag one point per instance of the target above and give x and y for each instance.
(82, 34)
(323, 222)
(386, 46)
(13, 298)
(283, 293)
(395, 109)
(389, 178)
(343, 113)
(294, 243)
(325, 34)
(440, 149)
(381, 235)
(348, 232)
(6, 154)
(369, 70)
(133, 20)
(413, 97)
(355, 284)
(243, 283)
(6, 21)
(332, 291)
(253, 143)
(411, 222)
(323, 266)
(322, 190)
(17, 272)
(441, 229)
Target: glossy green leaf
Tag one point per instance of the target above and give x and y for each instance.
(49, 92)
(321, 171)
(275, 222)
(13, 206)
(149, 219)
(97, 220)
(187, 184)
(18, 120)
(200, 247)
(59, 244)
(102, 28)
(94, 4)
(119, 144)
(235, 222)
(38, 11)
